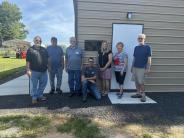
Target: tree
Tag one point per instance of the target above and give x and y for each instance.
(11, 26)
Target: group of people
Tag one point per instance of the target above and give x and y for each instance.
(82, 78)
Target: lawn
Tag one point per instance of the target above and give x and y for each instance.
(33, 126)
(10, 66)
(58, 125)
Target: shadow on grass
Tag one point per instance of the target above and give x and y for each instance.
(81, 128)
(23, 125)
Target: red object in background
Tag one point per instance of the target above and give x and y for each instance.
(23, 54)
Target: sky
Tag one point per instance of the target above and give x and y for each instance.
(47, 18)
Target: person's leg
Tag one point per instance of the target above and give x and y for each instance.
(78, 81)
(84, 90)
(42, 84)
(137, 83)
(141, 77)
(95, 91)
(107, 86)
(121, 82)
(52, 81)
(103, 87)
(59, 74)
(117, 73)
(34, 84)
(71, 80)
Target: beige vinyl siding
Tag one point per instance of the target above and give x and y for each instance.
(163, 24)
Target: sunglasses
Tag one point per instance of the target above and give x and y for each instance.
(140, 38)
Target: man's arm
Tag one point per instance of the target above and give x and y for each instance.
(148, 65)
(49, 64)
(92, 79)
(28, 71)
(62, 62)
(66, 61)
(133, 61)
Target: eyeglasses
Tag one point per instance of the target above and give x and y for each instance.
(140, 38)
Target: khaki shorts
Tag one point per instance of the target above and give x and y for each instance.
(138, 75)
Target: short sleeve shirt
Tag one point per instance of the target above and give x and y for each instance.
(119, 61)
(38, 58)
(141, 54)
(55, 54)
(74, 58)
(89, 71)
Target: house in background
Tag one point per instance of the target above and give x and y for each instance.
(163, 22)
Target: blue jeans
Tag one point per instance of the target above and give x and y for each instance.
(38, 84)
(58, 73)
(74, 80)
(86, 85)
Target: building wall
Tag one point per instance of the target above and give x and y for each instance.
(163, 24)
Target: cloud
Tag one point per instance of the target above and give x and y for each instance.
(47, 18)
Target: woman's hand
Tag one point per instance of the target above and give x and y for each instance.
(102, 69)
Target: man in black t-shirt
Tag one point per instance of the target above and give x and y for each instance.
(37, 64)
(89, 80)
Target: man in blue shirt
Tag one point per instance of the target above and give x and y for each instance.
(57, 64)
(73, 65)
(89, 80)
(141, 66)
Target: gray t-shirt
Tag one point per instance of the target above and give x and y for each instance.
(74, 58)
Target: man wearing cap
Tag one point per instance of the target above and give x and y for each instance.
(57, 64)
(89, 80)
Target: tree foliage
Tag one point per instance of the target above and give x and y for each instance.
(11, 26)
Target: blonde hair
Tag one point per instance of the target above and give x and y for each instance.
(108, 48)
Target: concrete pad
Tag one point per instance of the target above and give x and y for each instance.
(126, 99)
(20, 86)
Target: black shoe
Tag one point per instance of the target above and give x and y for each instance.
(84, 99)
(52, 91)
(79, 94)
(59, 91)
(120, 95)
(71, 94)
(43, 98)
(136, 96)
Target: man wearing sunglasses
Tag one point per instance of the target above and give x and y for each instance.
(37, 64)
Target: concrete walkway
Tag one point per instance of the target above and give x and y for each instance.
(20, 86)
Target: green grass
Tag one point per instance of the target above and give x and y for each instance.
(81, 128)
(29, 126)
(9, 66)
